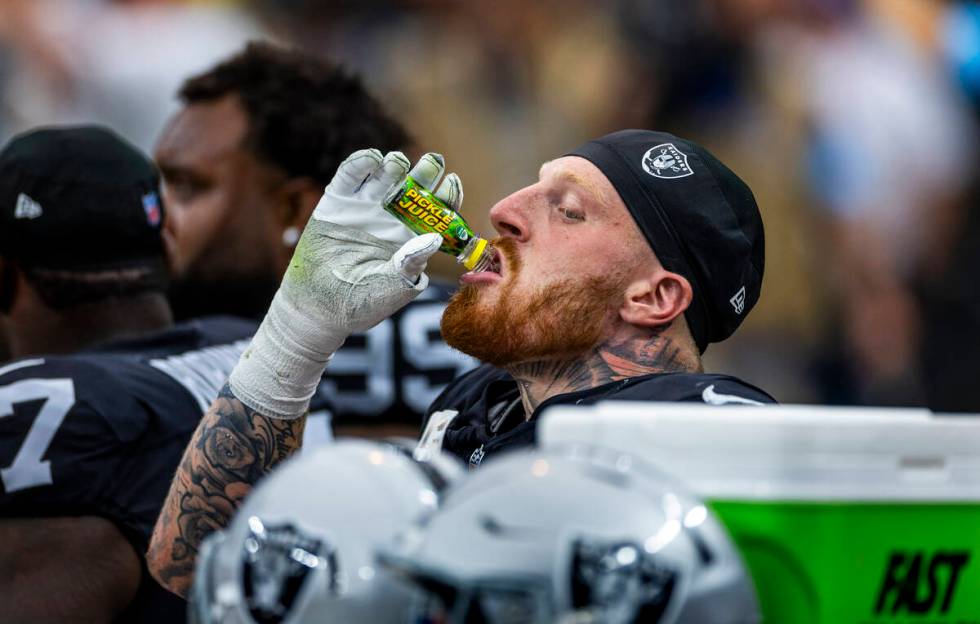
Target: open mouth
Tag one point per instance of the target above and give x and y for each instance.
(492, 273)
(497, 264)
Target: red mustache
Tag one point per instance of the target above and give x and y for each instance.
(507, 251)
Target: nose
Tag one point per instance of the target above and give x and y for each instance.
(508, 218)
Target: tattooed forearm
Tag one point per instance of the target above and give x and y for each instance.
(639, 352)
(233, 447)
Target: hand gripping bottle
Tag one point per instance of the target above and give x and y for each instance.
(420, 210)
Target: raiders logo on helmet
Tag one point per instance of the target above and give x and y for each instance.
(277, 561)
(619, 582)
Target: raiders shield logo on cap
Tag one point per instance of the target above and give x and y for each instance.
(666, 161)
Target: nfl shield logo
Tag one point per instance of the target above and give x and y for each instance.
(666, 161)
(151, 206)
(477, 457)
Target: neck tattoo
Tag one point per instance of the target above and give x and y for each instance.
(613, 360)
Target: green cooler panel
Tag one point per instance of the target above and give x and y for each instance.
(860, 563)
(842, 515)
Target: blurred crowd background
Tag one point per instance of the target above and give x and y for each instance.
(854, 122)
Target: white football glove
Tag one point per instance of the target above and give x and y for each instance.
(354, 266)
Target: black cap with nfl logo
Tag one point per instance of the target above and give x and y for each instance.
(699, 218)
(79, 198)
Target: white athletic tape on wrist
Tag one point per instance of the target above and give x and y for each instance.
(278, 372)
(332, 288)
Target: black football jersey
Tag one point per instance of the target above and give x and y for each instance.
(481, 413)
(393, 372)
(101, 432)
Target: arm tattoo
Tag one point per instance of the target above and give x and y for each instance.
(613, 360)
(233, 447)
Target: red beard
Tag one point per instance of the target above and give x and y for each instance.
(558, 320)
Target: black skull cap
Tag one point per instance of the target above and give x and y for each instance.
(79, 198)
(700, 219)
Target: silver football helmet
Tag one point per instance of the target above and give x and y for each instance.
(573, 536)
(302, 546)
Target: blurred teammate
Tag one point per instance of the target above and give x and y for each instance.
(89, 441)
(615, 271)
(244, 162)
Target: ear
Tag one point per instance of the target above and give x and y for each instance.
(657, 299)
(296, 200)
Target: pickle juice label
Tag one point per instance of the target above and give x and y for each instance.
(423, 212)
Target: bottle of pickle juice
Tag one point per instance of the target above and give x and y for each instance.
(422, 212)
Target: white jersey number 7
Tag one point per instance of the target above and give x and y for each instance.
(28, 470)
